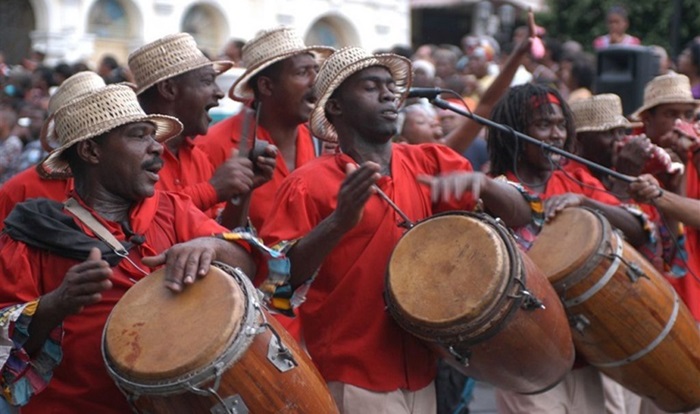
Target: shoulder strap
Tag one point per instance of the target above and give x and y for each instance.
(91, 222)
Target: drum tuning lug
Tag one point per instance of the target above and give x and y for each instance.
(230, 405)
(579, 322)
(634, 272)
(462, 359)
(279, 355)
(530, 301)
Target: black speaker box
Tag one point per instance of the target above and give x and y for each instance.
(624, 71)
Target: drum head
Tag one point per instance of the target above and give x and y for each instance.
(155, 334)
(449, 268)
(566, 243)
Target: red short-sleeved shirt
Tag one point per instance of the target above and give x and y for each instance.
(689, 286)
(80, 383)
(347, 329)
(224, 136)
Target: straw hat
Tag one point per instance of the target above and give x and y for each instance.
(98, 112)
(340, 66)
(169, 56)
(268, 47)
(72, 88)
(666, 89)
(600, 113)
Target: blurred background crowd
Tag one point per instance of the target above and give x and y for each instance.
(454, 45)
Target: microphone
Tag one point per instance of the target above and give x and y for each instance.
(429, 93)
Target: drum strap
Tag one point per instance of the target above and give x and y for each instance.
(91, 222)
(82, 214)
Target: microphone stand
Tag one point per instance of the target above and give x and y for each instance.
(440, 103)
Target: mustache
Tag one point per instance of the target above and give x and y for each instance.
(154, 163)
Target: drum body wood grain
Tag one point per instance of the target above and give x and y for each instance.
(459, 282)
(626, 318)
(209, 349)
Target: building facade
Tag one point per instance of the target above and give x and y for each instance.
(75, 30)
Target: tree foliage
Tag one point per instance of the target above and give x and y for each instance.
(653, 21)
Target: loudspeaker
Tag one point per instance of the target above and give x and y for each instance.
(624, 71)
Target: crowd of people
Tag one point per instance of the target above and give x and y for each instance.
(346, 155)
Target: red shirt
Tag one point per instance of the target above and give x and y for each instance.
(689, 286)
(80, 383)
(189, 174)
(29, 184)
(349, 334)
(577, 178)
(224, 136)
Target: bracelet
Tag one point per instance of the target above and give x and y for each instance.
(659, 195)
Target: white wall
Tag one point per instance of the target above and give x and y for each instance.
(61, 27)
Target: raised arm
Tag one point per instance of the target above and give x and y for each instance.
(460, 139)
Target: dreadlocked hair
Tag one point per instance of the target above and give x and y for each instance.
(516, 110)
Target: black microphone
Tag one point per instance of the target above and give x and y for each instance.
(429, 93)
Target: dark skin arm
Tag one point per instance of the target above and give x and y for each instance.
(617, 216)
(462, 137)
(646, 189)
(500, 199)
(81, 286)
(310, 251)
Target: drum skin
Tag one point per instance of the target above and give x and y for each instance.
(633, 327)
(155, 337)
(454, 280)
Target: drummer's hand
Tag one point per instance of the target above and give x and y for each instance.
(82, 285)
(454, 185)
(645, 188)
(265, 166)
(233, 178)
(185, 262)
(554, 205)
(354, 193)
(632, 156)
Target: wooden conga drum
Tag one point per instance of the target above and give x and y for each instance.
(626, 318)
(212, 348)
(459, 282)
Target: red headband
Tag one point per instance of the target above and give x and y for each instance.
(550, 99)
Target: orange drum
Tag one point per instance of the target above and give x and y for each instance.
(626, 318)
(458, 281)
(212, 348)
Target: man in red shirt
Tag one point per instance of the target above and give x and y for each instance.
(667, 114)
(345, 232)
(60, 281)
(541, 113)
(175, 78)
(280, 71)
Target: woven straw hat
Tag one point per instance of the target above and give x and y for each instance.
(98, 112)
(72, 88)
(340, 66)
(268, 47)
(169, 56)
(600, 113)
(666, 89)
